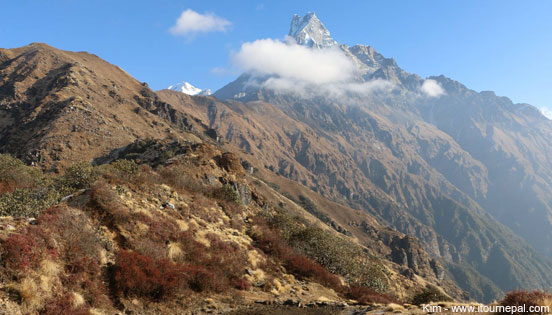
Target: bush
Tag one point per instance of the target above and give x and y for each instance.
(21, 251)
(77, 176)
(78, 247)
(367, 295)
(527, 298)
(430, 294)
(14, 174)
(108, 203)
(126, 168)
(136, 274)
(62, 305)
(226, 193)
(27, 202)
(160, 230)
(282, 233)
(241, 284)
(178, 178)
(306, 268)
(270, 241)
(201, 279)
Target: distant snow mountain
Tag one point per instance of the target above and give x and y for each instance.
(187, 88)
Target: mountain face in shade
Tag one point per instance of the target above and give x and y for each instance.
(467, 172)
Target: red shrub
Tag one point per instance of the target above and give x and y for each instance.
(306, 268)
(272, 243)
(367, 295)
(528, 298)
(63, 305)
(83, 264)
(21, 251)
(160, 230)
(136, 274)
(241, 284)
(48, 217)
(192, 249)
(227, 259)
(201, 279)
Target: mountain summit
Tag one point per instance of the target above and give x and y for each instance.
(309, 31)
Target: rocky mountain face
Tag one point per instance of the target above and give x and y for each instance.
(309, 31)
(467, 173)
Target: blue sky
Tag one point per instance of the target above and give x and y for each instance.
(504, 46)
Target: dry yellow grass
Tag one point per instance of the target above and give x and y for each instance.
(31, 295)
(254, 258)
(182, 225)
(174, 251)
(78, 300)
(395, 308)
(49, 268)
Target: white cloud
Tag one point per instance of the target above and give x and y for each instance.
(292, 61)
(432, 88)
(190, 23)
(547, 112)
(303, 71)
(344, 91)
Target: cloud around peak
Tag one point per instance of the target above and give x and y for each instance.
(288, 60)
(432, 88)
(546, 112)
(303, 71)
(190, 23)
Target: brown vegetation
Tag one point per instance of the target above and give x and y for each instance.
(527, 298)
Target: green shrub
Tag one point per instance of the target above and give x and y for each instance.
(77, 176)
(126, 166)
(227, 193)
(27, 202)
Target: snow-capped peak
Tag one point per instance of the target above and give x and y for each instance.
(309, 31)
(187, 88)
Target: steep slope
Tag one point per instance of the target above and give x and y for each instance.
(445, 164)
(59, 107)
